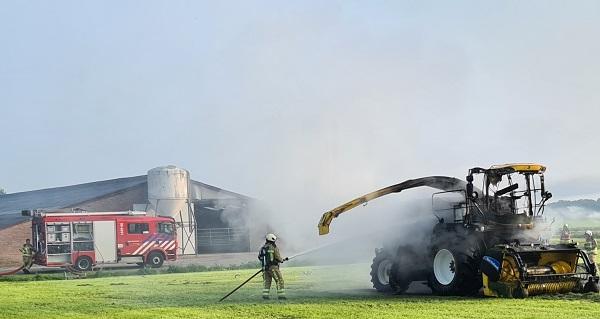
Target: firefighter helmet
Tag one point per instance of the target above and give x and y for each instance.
(271, 237)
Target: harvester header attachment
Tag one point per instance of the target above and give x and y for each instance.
(521, 271)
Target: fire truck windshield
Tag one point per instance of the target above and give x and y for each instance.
(165, 228)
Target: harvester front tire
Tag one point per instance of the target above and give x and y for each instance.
(455, 269)
(155, 259)
(380, 271)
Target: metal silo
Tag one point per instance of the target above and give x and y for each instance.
(168, 196)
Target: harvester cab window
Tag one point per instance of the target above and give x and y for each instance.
(508, 194)
(518, 193)
(165, 228)
(449, 206)
(138, 228)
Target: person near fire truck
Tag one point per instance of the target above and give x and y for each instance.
(565, 235)
(590, 245)
(27, 252)
(270, 258)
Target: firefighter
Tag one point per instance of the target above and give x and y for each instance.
(27, 251)
(590, 245)
(270, 258)
(565, 235)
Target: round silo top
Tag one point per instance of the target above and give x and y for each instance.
(168, 182)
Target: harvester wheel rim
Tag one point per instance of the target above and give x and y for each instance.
(444, 266)
(383, 271)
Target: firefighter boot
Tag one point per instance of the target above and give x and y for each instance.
(281, 294)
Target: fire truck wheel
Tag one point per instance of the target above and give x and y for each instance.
(83, 263)
(154, 259)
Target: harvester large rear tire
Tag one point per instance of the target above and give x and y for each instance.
(455, 269)
(380, 270)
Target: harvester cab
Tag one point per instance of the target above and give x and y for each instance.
(491, 240)
(511, 194)
(508, 207)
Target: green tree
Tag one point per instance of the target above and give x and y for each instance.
(2, 192)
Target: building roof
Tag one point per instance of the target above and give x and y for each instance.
(222, 193)
(59, 197)
(11, 205)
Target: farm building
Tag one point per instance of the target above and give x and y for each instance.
(209, 219)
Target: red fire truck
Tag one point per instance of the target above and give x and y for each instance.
(84, 239)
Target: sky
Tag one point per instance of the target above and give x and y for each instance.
(301, 104)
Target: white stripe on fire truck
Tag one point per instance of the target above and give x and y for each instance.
(147, 248)
(137, 250)
(146, 243)
(171, 246)
(165, 243)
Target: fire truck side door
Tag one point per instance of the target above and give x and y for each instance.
(105, 241)
(135, 234)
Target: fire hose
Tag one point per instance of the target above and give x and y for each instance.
(11, 272)
(242, 284)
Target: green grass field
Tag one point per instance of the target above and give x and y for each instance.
(313, 292)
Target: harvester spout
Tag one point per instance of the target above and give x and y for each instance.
(444, 183)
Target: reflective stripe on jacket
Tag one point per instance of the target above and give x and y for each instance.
(27, 250)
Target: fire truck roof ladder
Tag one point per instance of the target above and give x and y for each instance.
(126, 213)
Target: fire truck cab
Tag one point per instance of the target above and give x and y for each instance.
(85, 239)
